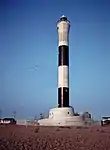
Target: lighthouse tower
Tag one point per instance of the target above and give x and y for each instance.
(63, 115)
(63, 27)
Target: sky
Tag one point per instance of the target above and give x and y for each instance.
(29, 56)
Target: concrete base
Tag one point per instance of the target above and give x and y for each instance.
(62, 117)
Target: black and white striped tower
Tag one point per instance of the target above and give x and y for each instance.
(63, 27)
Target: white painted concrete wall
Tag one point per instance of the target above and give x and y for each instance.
(21, 122)
(61, 112)
(62, 117)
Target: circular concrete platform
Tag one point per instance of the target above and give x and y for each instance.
(62, 117)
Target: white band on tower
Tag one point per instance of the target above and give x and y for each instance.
(63, 76)
(63, 32)
(63, 43)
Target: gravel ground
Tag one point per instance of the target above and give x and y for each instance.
(54, 138)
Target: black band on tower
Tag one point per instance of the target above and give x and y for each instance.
(63, 101)
(63, 55)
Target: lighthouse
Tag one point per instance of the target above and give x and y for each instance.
(63, 27)
(64, 114)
